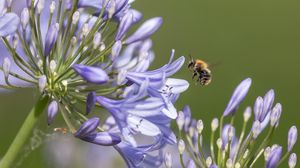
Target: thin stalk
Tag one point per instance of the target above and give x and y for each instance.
(24, 132)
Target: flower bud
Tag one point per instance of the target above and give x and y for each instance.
(88, 127)
(180, 120)
(52, 111)
(256, 129)
(274, 158)
(292, 137)
(146, 30)
(292, 160)
(200, 126)
(90, 102)
(116, 49)
(52, 6)
(247, 114)
(97, 40)
(85, 29)
(229, 163)
(75, 17)
(24, 18)
(40, 6)
(208, 161)
(237, 97)
(219, 143)
(168, 160)
(214, 124)
(51, 37)
(181, 146)
(42, 83)
(112, 9)
(125, 24)
(91, 74)
(52, 66)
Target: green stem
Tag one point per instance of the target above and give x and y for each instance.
(24, 133)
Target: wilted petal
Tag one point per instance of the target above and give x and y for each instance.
(238, 96)
(9, 23)
(292, 137)
(146, 30)
(274, 157)
(102, 138)
(91, 74)
(87, 128)
(52, 111)
(51, 37)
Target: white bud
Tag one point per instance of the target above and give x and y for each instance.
(267, 153)
(6, 66)
(180, 120)
(245, 155)
(181, 146)
(97, 40)
(102, 47)
(112, 9)
(292, 160)
(191, 131)
(85, 29)
(237, 165)
(200, 126)
(52, 6)
(229, 163)
(74, 41)
(219, 143)
(275, 115)
(42, 83)
(15, 41)
(40, 63)
(40, 6)
(168, 160)
(208, 161)
(247, 114)
(231, 133)
(256, 129)
(52, 65)
(24, 18)
(214, 124)
(75, 17)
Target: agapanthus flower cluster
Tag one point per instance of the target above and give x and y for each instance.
(80, 52)
(226, 147)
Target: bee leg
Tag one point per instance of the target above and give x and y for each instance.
(194, 75)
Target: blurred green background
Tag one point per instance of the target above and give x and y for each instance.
(258, 39)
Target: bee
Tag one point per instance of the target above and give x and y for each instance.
(200, 69)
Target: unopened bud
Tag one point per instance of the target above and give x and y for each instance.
(191, 131)
(208, 161)
(52, 6)
(292, 160)
(74, 41)
(97, 40)
(200, 126)
(112, 9)
(42, 83)
(229, 163)
(52, 65)
(24, 18)
(180, 120)
(181, 146)
(219, 143)
(245, 155)
(237, 165)
(75, 17)
(214, 124)
(168, 160)
(85, 29)
(247, 114)
(256, 129)
(267, 153)
(40, 6)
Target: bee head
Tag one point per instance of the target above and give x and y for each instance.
(192, 62)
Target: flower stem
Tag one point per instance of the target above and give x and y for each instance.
(24, 132)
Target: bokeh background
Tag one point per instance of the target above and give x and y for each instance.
(258, 39)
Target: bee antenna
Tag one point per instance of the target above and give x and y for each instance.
(191, 58)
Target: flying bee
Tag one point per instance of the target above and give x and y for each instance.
(200, 69)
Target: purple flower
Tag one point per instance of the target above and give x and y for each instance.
(237, 97)
(274, 157)
(91, 74)
(88, 127)
(292, 137)
(145, 31)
